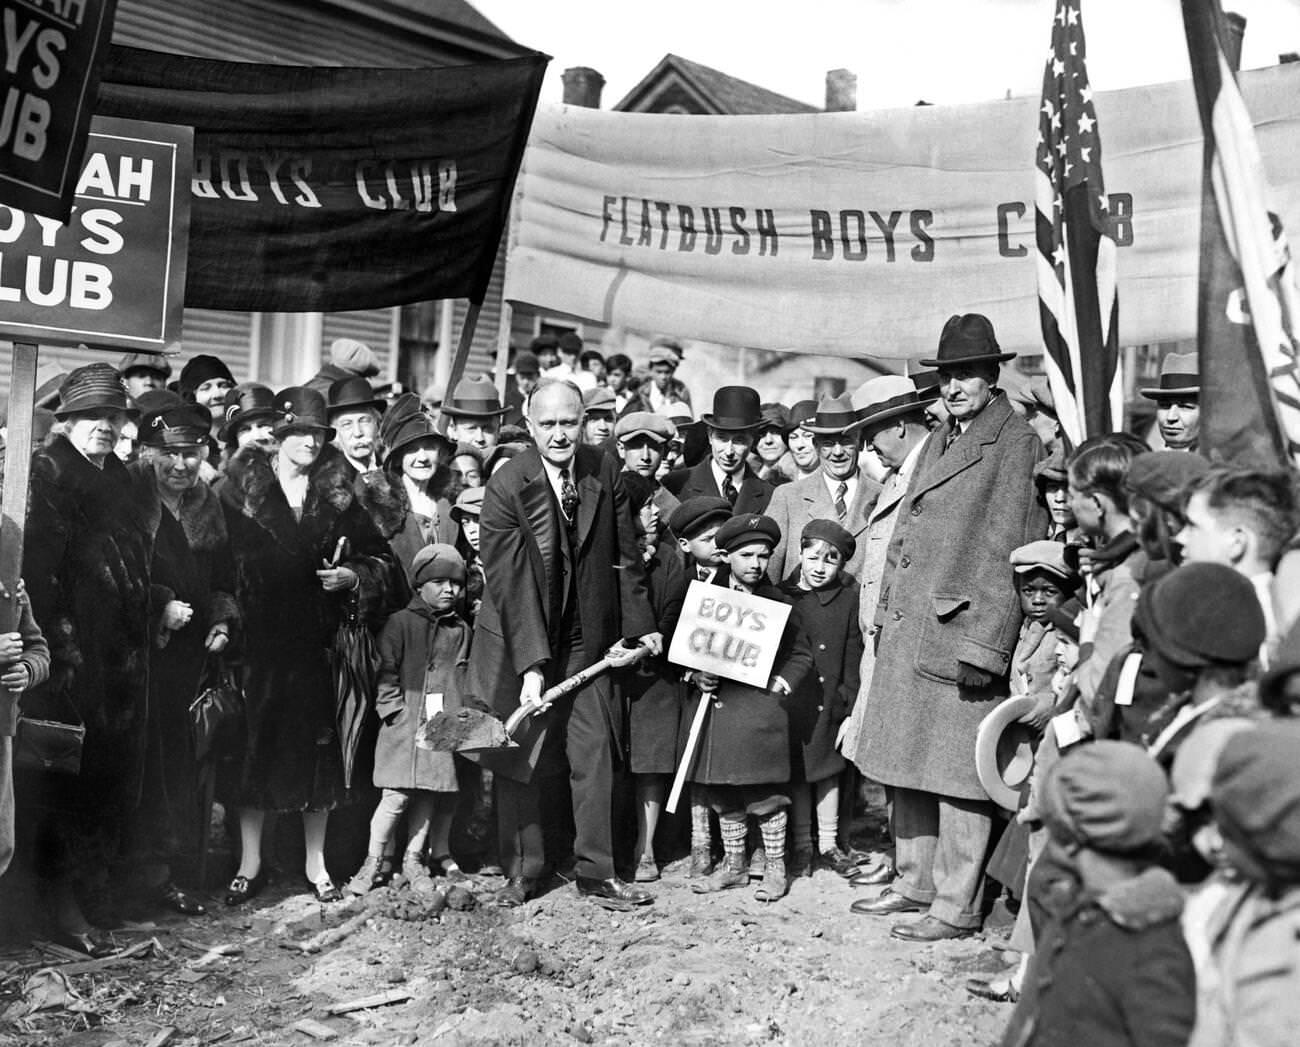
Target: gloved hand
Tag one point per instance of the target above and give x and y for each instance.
(973, 677)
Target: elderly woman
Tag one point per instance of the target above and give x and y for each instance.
(306, 556)
(87, 570)
(192, 616)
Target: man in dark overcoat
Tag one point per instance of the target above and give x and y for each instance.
(731, 427)
(564, 582)
(947, 623)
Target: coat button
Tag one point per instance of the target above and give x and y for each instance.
(898, 616)
(906, 561)
(916, 510)
(821, 679)
(820, 708)
(821, 647)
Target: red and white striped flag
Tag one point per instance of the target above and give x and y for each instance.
(1078, 304)
(1249, 306)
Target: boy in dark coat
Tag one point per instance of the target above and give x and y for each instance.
(423, 654)
(827, 599)
(1112, 968)
(743, 756)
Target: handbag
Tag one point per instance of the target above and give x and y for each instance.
(218, 720)
(50, 745)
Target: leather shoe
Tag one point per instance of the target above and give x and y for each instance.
(613, 893)
(185, 904)
(999, 990)
(242, 888)
(881, 874)
(837, 862)
(94, 943)
(888, 904)
(928, 929)
(516, 891)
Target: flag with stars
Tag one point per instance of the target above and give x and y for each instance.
(1077, 300)
(1248, 313)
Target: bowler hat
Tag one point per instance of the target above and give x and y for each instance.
(408, 429)
(145, 362)
(645, 423)
(468, 503)
(967, 339)
(1180, 375)
(1004, 751)
(835, 414)
(833, 534)
(694, 514)
(249, 402)
(735, 407)
(746, 529)
(92, 387)
(301, 408)
(473, 398)
(889, 396)
(176, 425)
(435, 562)
(1201, 614)
(351, 394)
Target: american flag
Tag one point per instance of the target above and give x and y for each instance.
(1248, 315)
(1078, 305)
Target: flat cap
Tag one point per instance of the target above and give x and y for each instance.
(468, 503)
(695, 514)
(1044, 555)
(661, 354)
(599, 398)
(645, 423)
(746, 529)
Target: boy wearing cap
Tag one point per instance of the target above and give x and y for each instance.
(423, 654)
(1112, 967)
(142, 372)
(597, 416)
(743, 754)
(466, 513)
(827, 601)
(643, 439)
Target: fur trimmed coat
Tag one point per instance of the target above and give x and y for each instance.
(383, 495)
(292, 760)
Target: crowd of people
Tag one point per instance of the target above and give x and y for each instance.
(1075, 670)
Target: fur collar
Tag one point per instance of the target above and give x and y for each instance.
(383, 495)
(252, 489)
(200, 509)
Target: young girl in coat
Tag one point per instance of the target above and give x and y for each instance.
(743, 755)
(423, 652)
(827, 600)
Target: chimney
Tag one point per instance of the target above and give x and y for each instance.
(582, 86)
(841, 91)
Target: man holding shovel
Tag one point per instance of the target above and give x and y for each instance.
(563, 584)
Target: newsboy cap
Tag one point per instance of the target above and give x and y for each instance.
(746, 529)
(1043, 555)
(435, 562)
(695, 514)
(832, 534)
(645, 423)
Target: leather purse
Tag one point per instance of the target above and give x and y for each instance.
(218, 720)
(48, 745)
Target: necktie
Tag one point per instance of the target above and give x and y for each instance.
(729, 491)
(704, 573)
(841, 506)
(568, 496)
(952, 438)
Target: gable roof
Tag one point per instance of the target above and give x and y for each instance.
(712, 92)
(456, 20)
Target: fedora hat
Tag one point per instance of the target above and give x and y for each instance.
(889, 396)
(474, 397)
(90, 388)
(1180, 375)
(250, 402)
(351, 394)
(968, 339)
(410, 428)
(301, 408)
(1004, 751)
(734, 407)
(835, 414)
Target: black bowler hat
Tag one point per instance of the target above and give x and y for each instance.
(351, 394)
(968, 339)
(735, 407)
(302, 408)
(90, 388)
(176, 425)
(694, 514)
(745, 529)
(249, 402)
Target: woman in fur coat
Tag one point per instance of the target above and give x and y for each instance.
(87, 571)
(306, 555)
(192, 617)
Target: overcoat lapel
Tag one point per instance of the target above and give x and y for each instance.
(541, 513)
(589, 494)
(939, 466)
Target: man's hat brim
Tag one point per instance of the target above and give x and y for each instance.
(981, 358)
(473, 412)
(1004, 751)
(1171, 394)
(869, 418)
(734, 425)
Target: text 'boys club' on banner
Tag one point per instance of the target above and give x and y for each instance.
(861, 233)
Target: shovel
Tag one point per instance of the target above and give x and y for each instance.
(464, 730)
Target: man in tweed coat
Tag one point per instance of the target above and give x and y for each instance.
(947, 622)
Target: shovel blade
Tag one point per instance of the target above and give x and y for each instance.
(463, 730)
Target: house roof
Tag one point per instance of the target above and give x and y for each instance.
(454, 19)
(710, 91)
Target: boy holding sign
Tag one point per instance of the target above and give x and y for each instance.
(743, 756)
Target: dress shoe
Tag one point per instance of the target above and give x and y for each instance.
(837, 862)
(888, 904)
(326, 891)
(185, 904)
(731, 873)
(928, 929)
(613, 893)
(646, 870)
(701, 863)
(516, 891)
(94, 943)
(242, 888)
(881, 874)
